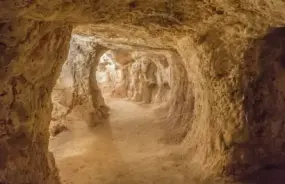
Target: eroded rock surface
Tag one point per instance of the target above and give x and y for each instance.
(230, 66)
(76, 88)
(141, 76)
(28, 72)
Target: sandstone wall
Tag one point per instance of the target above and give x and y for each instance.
(222, 104)
(31, 59)
(76, 88)
(146, 77)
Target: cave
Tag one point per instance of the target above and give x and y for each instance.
(209, 75)
(110, 103)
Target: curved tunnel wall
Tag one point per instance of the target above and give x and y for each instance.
(211, 43)
(145, 78)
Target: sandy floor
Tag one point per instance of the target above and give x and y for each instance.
(128, 150)
(125, 150)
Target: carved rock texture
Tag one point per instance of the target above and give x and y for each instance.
(228, 101)
(77, 86)
(145, 77)
(28, 72)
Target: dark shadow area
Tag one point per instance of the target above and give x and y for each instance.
(265, 104)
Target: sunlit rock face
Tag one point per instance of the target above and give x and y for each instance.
(107, 72)
(76, 88)
(120, 89)
(228, 59)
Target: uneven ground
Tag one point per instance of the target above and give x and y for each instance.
(126, 150)
(130, 149)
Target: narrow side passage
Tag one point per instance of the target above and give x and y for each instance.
(125, 150)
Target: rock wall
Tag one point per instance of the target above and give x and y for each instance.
(146, 78)
(231, 86)
(121, 83)
(76, 88)
(264, 102)
(28, 71)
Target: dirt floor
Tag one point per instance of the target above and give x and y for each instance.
(129, 149)
(125, 150)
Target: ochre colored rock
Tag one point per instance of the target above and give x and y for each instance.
(226, 94)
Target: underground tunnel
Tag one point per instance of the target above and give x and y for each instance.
(132, 95)
(137, 91)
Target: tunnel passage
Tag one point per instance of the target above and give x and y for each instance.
(211, 38)
(107, 72)
(93, 72)
(131, 124)
(137, 76)
(137, 67)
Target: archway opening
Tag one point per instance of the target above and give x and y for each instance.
(111, 103)
(133, 75)
(107, 73)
